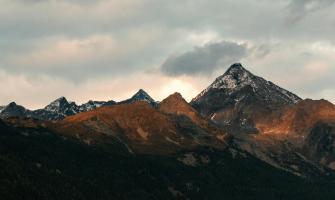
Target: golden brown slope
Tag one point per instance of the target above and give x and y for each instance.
(297, 119)
(141, 128)
(175, 104)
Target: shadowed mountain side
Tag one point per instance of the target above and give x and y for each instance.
(319, 145)
(43, 165)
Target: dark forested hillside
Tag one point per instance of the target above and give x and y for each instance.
(38, 164)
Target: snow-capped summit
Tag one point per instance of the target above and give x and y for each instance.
(90, 105)
(236, 67)
(237, 78)
(237, 93)
(56, 110)
(57, 105)
(61, 108)
(141, 95)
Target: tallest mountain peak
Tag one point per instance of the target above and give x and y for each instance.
(234, 78)
(238, 85)
(237, 68)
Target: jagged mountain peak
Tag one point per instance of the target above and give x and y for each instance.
(60, 100)
(13, 110)
(236, 67)
(141, 91)
(12, 104)
(234, 78)
(57, 104)
(237, 78)
(62, 107)
(56, 110)
(141, 95)
(238, 97)
(90, 105)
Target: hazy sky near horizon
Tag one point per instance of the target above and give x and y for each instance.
(108, 49)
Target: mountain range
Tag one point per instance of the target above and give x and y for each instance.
(61, 107)
(243, 137)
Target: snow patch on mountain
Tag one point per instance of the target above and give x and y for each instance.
(234, 79)
(141, 95)
(59, 105)
(237, 78)
(91, 105)
(56, 110)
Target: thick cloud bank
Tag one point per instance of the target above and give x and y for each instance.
(64, 46)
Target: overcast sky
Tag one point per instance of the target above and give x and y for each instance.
(108, 49)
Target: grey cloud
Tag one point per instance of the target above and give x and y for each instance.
(261, 51)
(301, 8)
(147, 31)
(205, 59)
(255, 19)
(86, 58)
(67, 1)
